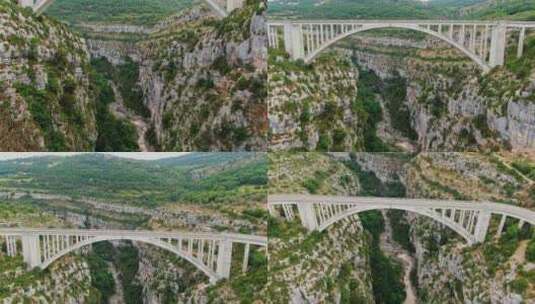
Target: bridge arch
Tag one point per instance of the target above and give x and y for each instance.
(463, 232)
(478, 60)
(470, 219)
(212, 275)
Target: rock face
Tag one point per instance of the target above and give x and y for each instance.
(300, 117)
(203, 81)
(328, 267)
(69, 281)
(338, 256)
(453, 107)
(44, 85)
(448, 271)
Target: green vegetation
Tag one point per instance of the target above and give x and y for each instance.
(231, 27)
(523, 66)
(394, 94)
(39, 102)
(126, 77)
(530, 250)
(505, 9)
(113, 134)
(145, 183)
(405, 9)
(101, 278)
(136, 12)
(527, 168)
(372, 186)
(386, 273)
(312, 184)
(401, 229)
(497, 253)
(11, 279)
(127, 261)
(348, 9)
(369, 110)
(249, 285)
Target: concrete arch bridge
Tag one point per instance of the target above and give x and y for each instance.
(221, 9)
(209, 252)
(470, 219)
(484, 42)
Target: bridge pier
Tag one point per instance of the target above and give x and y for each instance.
(500, 226)
(497, 45)
(307, 216)
(293, 41)
(224, 259)
(26, 3)
(245, 258)
(482, 225)
(234, 4)
(520, 49)
(31, 250)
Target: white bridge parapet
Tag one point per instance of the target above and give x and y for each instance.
(39, 6)
(482, 41)
(209, 252)
(470, 219)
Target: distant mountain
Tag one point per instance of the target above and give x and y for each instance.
(132, 12)
(501, 9)
(344, 9)
(196, 160)
(196, 177)
(400, 9)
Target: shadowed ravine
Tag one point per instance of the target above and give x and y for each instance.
(121, 111)
(394, 250)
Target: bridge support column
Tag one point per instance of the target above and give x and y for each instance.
(521, 38)
(307, 216)
(483, 220)
(245, 258)
(30, 250)
(500, 226)
(26, 3)
(293, 41)
(224, 258)
(234, 4)
(497, 45)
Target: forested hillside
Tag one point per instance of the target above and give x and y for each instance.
(135, 12)
(197, 178)
(405, 9)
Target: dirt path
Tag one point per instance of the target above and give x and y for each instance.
(119, 110)
(389, 134)
(519, 257)
(392, 249)
(505, 163)
(408, 265)
(118, 297)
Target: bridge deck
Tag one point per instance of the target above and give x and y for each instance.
(388, 202)
(235, 237)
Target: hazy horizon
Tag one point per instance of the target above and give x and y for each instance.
(130, 155)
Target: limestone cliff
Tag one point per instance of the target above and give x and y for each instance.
(313, 106)
(327, 267)
(448, 271)
(200, 79)
(46, 102)
(452, 106)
